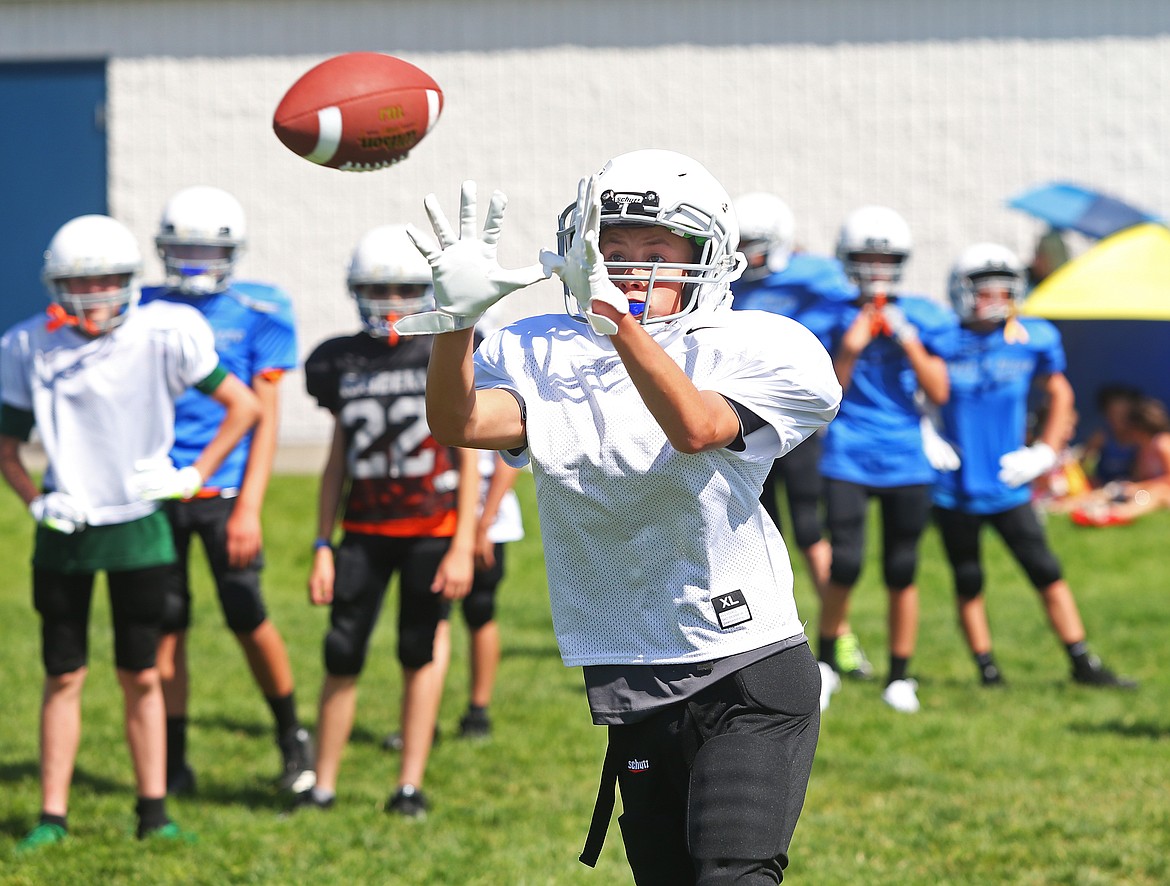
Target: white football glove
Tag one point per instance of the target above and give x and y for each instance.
(158, 479)
(582, 269)
(58, 511)
(467, 275)
(941, 454)
(1026, 464)
(901, 329)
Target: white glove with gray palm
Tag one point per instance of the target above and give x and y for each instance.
(581, 268)
(467, 274)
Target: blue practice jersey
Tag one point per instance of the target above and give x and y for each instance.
(987, 414)
(254, 334)
(798, 291)
(876, 439)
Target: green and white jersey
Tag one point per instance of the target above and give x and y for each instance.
(655, 556)
(103, 404)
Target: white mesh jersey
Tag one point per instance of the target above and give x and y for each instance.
(102, 404)
(655, 556)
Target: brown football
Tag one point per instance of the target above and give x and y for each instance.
(358, 111)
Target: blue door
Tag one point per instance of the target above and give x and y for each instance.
(52, 167)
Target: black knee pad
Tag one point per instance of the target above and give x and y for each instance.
(900, 567)
(846, 568)
(806, 526)
(969, 580)
(243, 607)
(739, 805)
(345, 656)
(479, 609)
(176, 611)
(1043, 571)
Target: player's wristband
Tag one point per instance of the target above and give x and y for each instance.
(322, 543)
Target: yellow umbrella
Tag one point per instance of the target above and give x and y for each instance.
(1124, 277)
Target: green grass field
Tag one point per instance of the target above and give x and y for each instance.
(1041, 782)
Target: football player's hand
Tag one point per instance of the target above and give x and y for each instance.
(1026, 464)
(454, 575)
(900, 329)
(861, 331)
(321, 577)
(158, 479)
(485, 548)
(939, 452)
(59, 512)
(244, 537)
(467, 275)
(582, 269)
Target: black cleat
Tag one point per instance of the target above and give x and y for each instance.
(475, 724)
(296, 749)
(990, 675)
(1090, 672)
(409, 802)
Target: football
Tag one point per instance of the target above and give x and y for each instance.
(358, 111)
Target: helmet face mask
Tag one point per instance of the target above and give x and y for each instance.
(873, 246)
(986, 284)
(91, 271)
(671, 191)
(200, 238)
(389, 279)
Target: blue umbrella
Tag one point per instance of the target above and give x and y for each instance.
(1071, 207)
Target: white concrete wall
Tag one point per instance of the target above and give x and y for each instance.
(939, 109)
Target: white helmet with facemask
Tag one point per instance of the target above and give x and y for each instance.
(86, 247)
(986, 266)
(386, 256)
(669, 190)
(201, 236)
(767, 233)
(873, 245)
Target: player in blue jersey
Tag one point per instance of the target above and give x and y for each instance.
(99, 382)
(994, 359)
(883, 347)
(782, 280)
(200, 238)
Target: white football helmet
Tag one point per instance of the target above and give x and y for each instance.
(386, 256)
(866, 234)
(201, 236)
(92, 246)
(985, 265)
(656, 187)
(767, 233)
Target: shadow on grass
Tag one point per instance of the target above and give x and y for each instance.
(251, 728)
(1143, 729)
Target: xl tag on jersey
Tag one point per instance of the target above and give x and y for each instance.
(731, 609)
